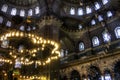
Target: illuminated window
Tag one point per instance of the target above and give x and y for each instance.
(80, 26)
(22, 13)
(1, 19)
(14, 11)
(106, 36)
(109, 14)
(37, 10)
(88, 10)
(100, 18)
(66, 52)
(80, 11)
(93, 22)
(30, 12)
(97, 6)
(34, 28)
(8, 23)
(72, 11)
(104, 1)
(22, 28)
(62, 53)
(108, 77)
(81, 46)
(117, 32)
(4, 8)
(95, 41)
(28, 29)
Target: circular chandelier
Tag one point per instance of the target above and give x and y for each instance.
(21, 51)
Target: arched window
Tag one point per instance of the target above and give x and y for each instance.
(80, 11)
(22, 28)
(88, 10)
(81, 46)
(34, 28)
(106, 36)
(62, 53)
(37, 10)
(4, 8)
(117, 32)
(109, 14)
(79, 26)
(72, 11)
(8, 23)
(30, 12)
(97, 6)
(1, 19)
(100, 18)
(14, 11)
(104, 1)
(95, 41)
(93, 22)
(22, 13)
(29, 28)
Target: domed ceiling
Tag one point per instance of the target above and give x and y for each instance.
(35, 31)
(75, 15)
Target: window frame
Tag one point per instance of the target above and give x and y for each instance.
(72, 11)
(104, 34)
(95, 41)
(117, 33)
(4, 8)
(83, 46)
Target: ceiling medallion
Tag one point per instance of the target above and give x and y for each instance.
(21, 52)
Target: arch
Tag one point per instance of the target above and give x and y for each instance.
(117, 32)
(94, 73)
(75, 75)
(117, 70)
